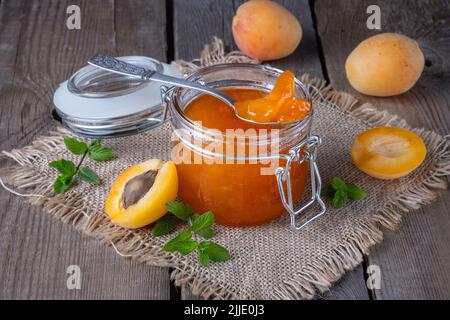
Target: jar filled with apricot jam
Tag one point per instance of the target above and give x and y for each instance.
(246, 173)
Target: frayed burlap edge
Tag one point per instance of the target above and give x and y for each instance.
(318, 276)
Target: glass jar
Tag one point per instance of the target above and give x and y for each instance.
(249, 176)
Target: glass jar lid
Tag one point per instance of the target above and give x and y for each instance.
(95, 102)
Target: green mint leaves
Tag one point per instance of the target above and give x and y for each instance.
(89, 176)
(209, 250)
(68, 170)
(202, 224)
(62, 184)
(179, 209)
(355, 193)
(164, 225)
(340, 198)
(65, 167)
(95, 151)
(75, 146)
(342, 192)
(98, 153)
(185, 242)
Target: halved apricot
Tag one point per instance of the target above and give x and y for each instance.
(139, 194)
(388, 153)
(280, 105)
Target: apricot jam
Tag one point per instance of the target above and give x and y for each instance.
(281, 105)
(238, 193)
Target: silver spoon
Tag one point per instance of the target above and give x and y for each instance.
(117, 66)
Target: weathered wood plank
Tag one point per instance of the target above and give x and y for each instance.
(351, 286)
(195, 24)
(415, 260)
(140, 28)
(38, 52)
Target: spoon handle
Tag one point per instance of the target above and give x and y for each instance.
(117, 66)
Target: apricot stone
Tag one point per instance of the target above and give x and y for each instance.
(265, 30)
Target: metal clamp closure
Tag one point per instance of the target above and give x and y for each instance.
(304, 151)
(166, 97)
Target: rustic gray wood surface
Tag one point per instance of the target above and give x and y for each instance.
(38, 52)
(415, 260)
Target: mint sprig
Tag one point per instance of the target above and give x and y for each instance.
(341, 192)
(68, 170)
(186, 241)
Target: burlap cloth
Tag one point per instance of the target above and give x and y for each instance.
(270, 261)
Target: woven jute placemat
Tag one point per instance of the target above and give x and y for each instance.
(269, 261)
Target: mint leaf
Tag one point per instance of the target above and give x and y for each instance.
(75, 146)
(341, 192)
(202, 224)
(338, 184)
(164, 225)
(62, 184)
(65, 167)
(182, 243)
(88, 175)
(96, 143)
(184, 235)
(355, 193)
(186, 247)
(214, 251)
(98, 153)
(179, 209)
(327, 192)
(339, 199)
(203, 258)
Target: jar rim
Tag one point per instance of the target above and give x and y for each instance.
(275, 71)
(294, 126)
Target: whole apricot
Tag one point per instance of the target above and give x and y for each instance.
(265, 30)
(384, 65)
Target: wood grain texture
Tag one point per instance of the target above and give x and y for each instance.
(352, 286)
(197, 22)
(415, 260)
(38, 52)
(140, 28)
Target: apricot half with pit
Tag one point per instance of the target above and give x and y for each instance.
(388, 153)
(139, 194)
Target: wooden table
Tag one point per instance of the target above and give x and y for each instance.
(38, 52)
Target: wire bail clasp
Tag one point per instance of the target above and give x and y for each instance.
(166, 98)
(304, 151)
